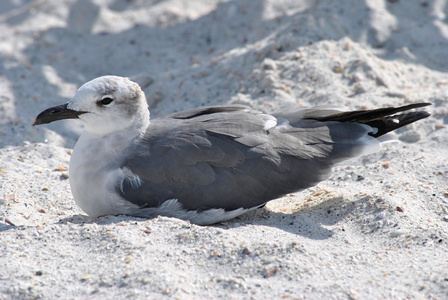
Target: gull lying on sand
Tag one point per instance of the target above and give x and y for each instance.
(208, 164)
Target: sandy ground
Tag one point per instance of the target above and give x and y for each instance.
(377, 229)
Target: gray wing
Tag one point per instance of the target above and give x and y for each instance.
(225, 157)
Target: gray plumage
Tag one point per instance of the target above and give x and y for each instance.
(210, 164)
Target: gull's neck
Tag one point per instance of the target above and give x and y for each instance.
(95, 166)
(96, 148)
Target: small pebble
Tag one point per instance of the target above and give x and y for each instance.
(357, 77)
(397, 233)
(270, 272)
(359, 88)
(268, 81)
(338, 68)
(269, 64)
(85, 277)
(247, 251)
(128, 259)
(10, 196)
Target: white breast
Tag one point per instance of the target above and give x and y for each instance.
(93, 177)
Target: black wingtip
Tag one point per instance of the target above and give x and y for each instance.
(388, 123)
(394, 122)
(383, 119)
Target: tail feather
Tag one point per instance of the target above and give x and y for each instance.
(383, 119)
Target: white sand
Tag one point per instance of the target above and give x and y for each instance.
(378, 228)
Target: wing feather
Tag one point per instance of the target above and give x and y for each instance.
(227, 157)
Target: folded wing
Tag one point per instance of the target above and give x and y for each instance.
(232, 157)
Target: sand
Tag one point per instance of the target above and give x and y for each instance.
(377, 229)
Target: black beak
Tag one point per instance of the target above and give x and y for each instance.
(56, 113)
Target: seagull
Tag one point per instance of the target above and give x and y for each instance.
(208, 164)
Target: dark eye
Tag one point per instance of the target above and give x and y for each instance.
(106, 101)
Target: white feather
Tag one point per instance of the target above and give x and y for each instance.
(173, 208)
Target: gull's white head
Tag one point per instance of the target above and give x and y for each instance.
(104, 105)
